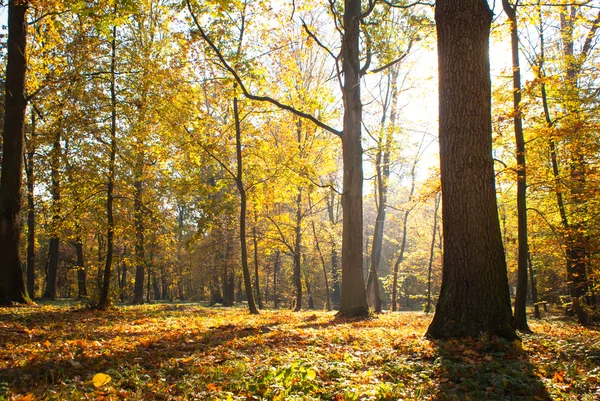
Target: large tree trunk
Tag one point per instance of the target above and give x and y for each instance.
(104, 301)
(52, 262)
(12, 284)
(353, 298)
(521, 297)
(474, 297)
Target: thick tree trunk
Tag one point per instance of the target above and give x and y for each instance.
(104, 301)
(353, 298)
(474, 297)
(243, 205)
(12, 284)
(521, 297)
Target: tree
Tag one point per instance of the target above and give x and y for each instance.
(521, 296)
(474, 297)
(12, 284)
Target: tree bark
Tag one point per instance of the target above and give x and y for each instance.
(318, 247)
(474, 297)
(353, 298)
(298, 252)
(12, 284)
(523, 248)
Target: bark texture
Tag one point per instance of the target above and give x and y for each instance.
(474, 297)
(12, 284)
(353, 298)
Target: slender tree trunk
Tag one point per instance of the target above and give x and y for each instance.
(275, 272)
(12, 284)
(521, 297)
(432, 253)
(138, 219)
(243, 204)
(353, 299)
(256, 276)
(336, 290)
(314, 230)
(474, 297)
(104, 301)
(298, 252)
(404, 231)
(534, 294)
(31, 209)
(80, 264)
(311, 302)
(52, 263)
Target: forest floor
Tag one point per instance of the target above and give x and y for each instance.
(187, 351)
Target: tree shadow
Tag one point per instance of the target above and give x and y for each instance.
(487, 369)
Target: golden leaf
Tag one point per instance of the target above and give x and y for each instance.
(101, 379)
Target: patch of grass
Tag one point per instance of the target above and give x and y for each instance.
(189, 352)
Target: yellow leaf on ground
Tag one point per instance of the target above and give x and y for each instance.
(100, 379)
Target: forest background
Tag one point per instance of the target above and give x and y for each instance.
(127, 98)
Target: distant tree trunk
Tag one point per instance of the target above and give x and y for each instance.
(311, 301)
(228, 277)
(256, 276)
(318, 247)
(138, 221)
(297, 252)
(12, 284)
(52, 262)
(521, 297)
(335, 260)
(382, 170)
(80, 265)
(104, 301)
(29, 161)
(534, 294)
(243, 204)
(474, 297)
(431, 253)
(353, 298)
(275, 272)
(404, 231)
(576, 257)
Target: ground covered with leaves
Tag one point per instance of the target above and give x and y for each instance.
(187, 351)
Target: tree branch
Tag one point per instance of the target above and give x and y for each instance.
(245, 90)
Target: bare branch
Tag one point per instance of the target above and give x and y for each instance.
(245, 90)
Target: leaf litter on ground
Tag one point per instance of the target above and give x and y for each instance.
(191, 352)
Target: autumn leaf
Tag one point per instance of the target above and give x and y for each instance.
(101, 379)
